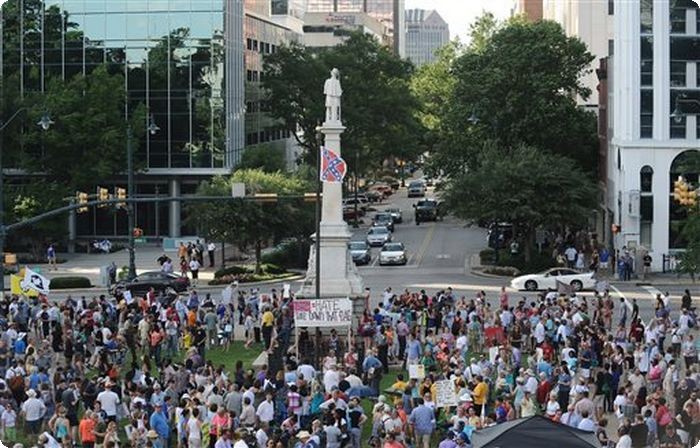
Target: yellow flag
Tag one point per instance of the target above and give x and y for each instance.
(16, 288)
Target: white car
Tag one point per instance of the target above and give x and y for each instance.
(378, 236)
(392, 253)
(549, 278)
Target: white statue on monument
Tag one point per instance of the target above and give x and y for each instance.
(333, 92)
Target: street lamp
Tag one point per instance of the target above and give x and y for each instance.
(131, 187)
(45, 123)
(678, 113)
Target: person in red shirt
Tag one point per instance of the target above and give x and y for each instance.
(86, 429)
(544, 387)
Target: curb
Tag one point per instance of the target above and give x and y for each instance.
(485, 275)
(103, 290)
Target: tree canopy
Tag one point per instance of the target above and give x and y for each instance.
(379, 109)
(517, 85)
(247, 223)
(530, 189)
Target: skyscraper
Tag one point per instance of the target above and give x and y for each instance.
(426, 32)
(389, 12)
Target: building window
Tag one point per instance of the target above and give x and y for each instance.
(678, 20)
(646, 129)
(646, 16)
(611, 47)
(647, 61)
(646, 176)
(611, 7)
(686, 164)
(678, 73)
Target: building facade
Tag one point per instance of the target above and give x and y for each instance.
(532, 9)
(328, 29)
(655, 90)
(590, 21)
(426, 32)
(194, 64)
(391, 13)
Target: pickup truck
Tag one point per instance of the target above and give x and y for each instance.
(428, 210)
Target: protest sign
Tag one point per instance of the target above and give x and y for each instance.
(323, 312)
(416, 371)
(445, 394)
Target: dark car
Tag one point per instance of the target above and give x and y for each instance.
(159, 281)
(428, 210)
(384, 220)
(360, 251)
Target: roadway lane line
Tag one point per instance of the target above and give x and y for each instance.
(426, 242)
(652, 291)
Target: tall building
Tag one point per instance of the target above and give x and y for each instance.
(328, 29)
(532, 9)
(426, 32)
(194, 64)
(389, 12)
(590, 21)
(655, 129)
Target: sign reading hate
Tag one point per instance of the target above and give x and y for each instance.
(323, 312)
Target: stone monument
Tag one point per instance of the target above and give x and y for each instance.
(339, 277)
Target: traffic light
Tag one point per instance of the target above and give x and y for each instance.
(82, 198)
(102, 195)
(677, 189)
(692, 198)
(120, 193)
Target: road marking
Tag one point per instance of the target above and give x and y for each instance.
(443, 256)
(627, 302)
(375, 260)
(652, 291)
(426, 242)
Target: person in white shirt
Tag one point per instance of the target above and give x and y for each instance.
(570, 254)
(539, 333)
(307, 370)
(586, 424)
(331, 379)
(625, 440)
(266, 410)
(194, 269)
(33, 410)
(109, 401)
(211, 248)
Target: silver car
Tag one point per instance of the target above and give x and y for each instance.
(360, 252)
(396, 214)
(378, 236)
(392, 253)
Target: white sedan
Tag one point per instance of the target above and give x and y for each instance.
(392, 253)
(549, 278)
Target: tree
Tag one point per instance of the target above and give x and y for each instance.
(267, 157)
(530, 189)
(248, 223)
(378, 106)
(689, 262)
(518, 87)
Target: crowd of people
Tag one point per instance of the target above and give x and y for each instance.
(104, 372)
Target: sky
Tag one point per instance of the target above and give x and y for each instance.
(460, 13)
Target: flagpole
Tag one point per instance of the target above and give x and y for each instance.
(317, 242)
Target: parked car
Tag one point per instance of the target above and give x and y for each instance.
(384, 189)
(362, 202)
(416, 189)
(373, 195)
(499, 234)
(378, 236)
(159, 281)
(383, 220)
(349, 213)
(549, 278)
(360, 251)
(393, 253)
(427, 210)
(396, 214)
(392, 182)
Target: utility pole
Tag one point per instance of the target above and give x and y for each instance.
(130, 205)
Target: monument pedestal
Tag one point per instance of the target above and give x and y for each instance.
(339, 276)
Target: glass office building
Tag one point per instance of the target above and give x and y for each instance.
(181, 59)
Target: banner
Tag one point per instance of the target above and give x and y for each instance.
(16, 288)
(322, 312)
(35, 282)
(445, 395)
(333, 167)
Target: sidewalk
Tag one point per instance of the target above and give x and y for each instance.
(89, 265)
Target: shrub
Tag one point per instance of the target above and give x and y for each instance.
(294, 254)
(70, 283)
(508, 271)
(486, 256)
(273, 269)
(231, 270)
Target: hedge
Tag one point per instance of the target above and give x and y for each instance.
(231, 270)
(70, 283)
